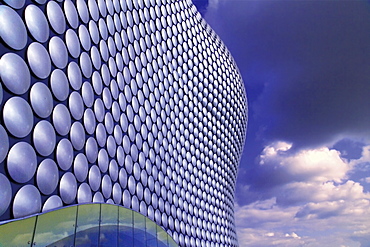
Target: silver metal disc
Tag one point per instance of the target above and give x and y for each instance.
(95, 57)
(84, 194)
(74, 75)
(82, 10)
(36, 23)
(122, 178)
(44, 138)
(39, 60)
(68, 188)
(18, 117)
(106, 186)
(47, 176)
(72, 42)
(85, 64)
(98, 198)
(94, 32)
(59, 84)
(12, 29)
(113, 170)
(71, 13)
(14, 73)
(87, 94)
(117, 193)
(52, 202)
(4, 143)
(56, 17)
(27, 201)
(61, 119)
(91, 150)
(41, 99)
(5, 193)
(58, 52)
(94, 178)
(64, 154)
(80, 167)
(84, 36)
(21, 162)
(89, 121)
(103, 160)
(77, 135)
(16, 4)
(99, 110)
(93, 8)
(76, 105)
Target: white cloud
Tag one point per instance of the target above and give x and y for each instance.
(321, 164)
(301, 192)
(317, 206)
(213, 4)
(259, 237)
(292, 235)
(348, 224)
(365, 157)
(261, 213)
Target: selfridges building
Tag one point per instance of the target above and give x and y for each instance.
(132, 103)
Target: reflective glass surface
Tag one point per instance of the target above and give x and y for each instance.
(63, 222)
(87, 225)
(84, 225)
(19, 233)
(109, 222)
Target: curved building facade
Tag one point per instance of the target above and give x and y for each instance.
(129, 102)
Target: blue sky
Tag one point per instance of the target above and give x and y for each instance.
(304, 177)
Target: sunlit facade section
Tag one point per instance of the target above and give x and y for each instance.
(129, 102)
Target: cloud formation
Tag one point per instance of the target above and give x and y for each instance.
(303, 178)
(337, 223)
(321, 164)
(314, 196)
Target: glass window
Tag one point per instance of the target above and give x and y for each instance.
(151, 233)
(87, 232)
(17, 233)
(126, 230)
(86, 225)
(139, 230)
(162, 237)
(108, 226)
(56, 228)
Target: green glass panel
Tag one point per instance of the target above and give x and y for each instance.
(162, 237)
(126, 230)
(87, 232)
(171, 242)
(139, 221)
(108, 226)
(151, 233)
(139, 230)
(17, 233)
(56, 228)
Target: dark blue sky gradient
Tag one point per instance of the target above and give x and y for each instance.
(306, 69)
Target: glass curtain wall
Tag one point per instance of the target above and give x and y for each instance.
(85, 225)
